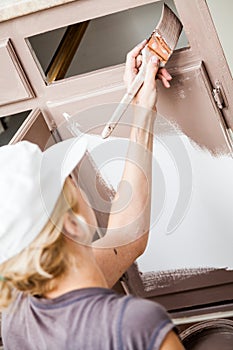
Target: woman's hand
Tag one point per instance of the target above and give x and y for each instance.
(147, 95)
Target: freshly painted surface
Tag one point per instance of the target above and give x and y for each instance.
(191, 223)
(16, 8)
(13, 80)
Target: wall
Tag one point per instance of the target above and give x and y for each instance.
(221, 12)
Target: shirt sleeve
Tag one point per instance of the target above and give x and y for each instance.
(144, 326)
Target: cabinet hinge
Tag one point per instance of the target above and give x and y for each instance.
(218, 96)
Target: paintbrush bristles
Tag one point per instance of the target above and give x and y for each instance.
(169, 27)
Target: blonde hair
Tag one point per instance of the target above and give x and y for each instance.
(36, 269)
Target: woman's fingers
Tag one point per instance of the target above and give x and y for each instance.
(165, 82)
(136, 50)
(151, 72)
(131, 65)
(165, 73)
(138, 61)
(164, 76)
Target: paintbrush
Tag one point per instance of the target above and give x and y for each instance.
(161, 43)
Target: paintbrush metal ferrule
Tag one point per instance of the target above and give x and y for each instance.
(159, 47)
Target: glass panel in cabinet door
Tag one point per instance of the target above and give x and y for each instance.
(97, 43)
(9, 126)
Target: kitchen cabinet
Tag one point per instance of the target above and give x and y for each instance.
(58, 56)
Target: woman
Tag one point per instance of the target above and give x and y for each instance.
(54, 281)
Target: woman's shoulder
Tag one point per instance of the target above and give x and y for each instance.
(149, 318)
(146, 309)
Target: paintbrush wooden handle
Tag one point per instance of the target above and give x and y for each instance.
(123, 105)
(128, 97)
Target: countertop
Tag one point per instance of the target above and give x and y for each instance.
(15, 8)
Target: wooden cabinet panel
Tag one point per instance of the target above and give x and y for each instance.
(15, 86)
(34, 129)
(189, 104)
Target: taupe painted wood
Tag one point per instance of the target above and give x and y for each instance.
(34, 129)
(205, 56)
(204, 41)
(15, 86)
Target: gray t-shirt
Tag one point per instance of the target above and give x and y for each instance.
(84, 319)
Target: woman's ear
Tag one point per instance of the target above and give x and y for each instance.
(76, 228)
(70, 225)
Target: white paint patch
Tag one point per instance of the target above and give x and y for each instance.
(182, 94)
(204, 236)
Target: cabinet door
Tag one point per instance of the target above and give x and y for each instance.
(190, 132)
(188, 108)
